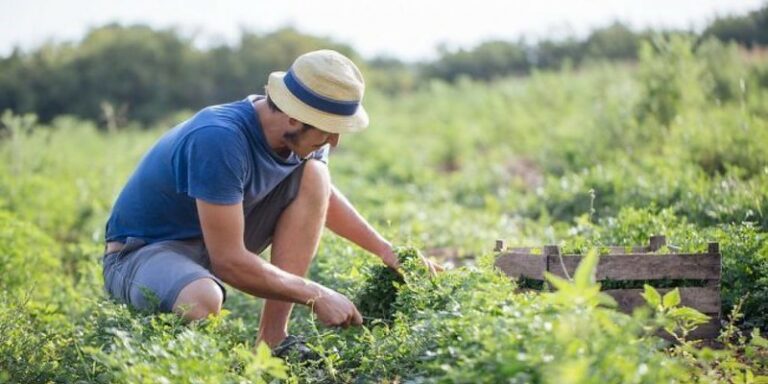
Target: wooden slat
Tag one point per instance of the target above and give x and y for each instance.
(645, 267)
(612, 250)
(522, 264)
(702, 299)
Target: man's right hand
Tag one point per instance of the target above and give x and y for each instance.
(334, 309)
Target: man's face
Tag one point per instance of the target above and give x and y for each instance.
(308, 139)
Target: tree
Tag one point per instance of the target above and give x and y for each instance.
(748, 30)
(615, 42)
(487, 61)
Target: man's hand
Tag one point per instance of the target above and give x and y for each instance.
(389, 258)
(334, 309)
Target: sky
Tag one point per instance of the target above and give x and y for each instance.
(405, 29)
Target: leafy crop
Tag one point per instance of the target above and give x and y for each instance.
(379, 292)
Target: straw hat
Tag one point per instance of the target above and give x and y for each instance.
(324, 89)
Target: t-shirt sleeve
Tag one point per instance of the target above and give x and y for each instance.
(210, 165)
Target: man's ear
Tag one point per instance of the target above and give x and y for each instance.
(334, 139)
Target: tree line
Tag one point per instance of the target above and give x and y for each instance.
(617, 41)
(142, 73)
(139, 73)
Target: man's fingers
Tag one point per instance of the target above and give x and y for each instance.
(395, 266)
(353, 318)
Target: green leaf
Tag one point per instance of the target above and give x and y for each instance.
(558, 282)
(606, 300)
(688, 315)
(758, 340)
(651, 296)
(672, 298)
(585, 273)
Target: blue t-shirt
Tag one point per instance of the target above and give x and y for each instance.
(220, 156)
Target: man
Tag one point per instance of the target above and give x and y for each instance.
(219, 188)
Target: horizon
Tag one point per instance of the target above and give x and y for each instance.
(365, 26)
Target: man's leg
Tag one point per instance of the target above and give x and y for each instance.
(199, 299)
(295, 242)
(165, 276)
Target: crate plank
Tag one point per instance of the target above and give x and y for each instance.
(522, 264)
(645, 267)
(702, 299)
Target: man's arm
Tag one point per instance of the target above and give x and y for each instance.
(223, 227)
(344, 220)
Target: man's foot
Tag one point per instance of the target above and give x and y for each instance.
(295, 347)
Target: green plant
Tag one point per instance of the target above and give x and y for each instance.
(376, 298)
(450, 168)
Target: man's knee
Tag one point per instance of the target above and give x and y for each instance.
(199, 299)
(316, 180)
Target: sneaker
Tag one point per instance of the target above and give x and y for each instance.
(295, 347)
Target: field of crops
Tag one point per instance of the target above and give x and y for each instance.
(604, 155)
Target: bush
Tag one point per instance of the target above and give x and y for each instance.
(745, 272)
(27, 264)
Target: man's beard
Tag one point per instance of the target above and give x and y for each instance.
(295, 137)
(292, 137)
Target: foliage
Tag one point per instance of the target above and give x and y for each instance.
(669, 73)
(740, 359)
(580, 158)
(749, 29)
(745, 271)
(138, 73)
(109, 344)
(26, 259)
(377, 296)
(467, 321)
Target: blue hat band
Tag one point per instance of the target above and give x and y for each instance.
(325, 104)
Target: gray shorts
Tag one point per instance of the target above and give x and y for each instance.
(150, 276)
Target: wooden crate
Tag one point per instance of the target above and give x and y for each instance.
(631, 264)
